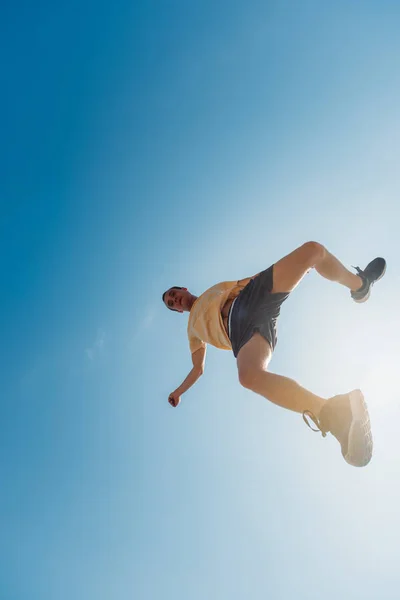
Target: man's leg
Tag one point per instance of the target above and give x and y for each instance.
(345, 416)
(290, 270)
(252, 362)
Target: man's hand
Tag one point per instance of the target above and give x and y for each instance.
(174, 399)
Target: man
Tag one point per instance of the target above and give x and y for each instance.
(242, 315)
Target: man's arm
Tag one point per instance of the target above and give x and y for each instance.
(198, 359)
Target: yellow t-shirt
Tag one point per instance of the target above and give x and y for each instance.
(205, 324)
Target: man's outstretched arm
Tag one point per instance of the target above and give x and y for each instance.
(198, 359)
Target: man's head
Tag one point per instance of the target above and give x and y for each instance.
(178, 299)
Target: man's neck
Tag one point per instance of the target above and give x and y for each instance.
(192, 301)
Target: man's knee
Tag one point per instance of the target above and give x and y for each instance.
(314, 252)
(249, 377)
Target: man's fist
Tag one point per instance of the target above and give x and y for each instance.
(174, 399)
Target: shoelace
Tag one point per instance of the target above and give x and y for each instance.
(359, 271)
(315, 420)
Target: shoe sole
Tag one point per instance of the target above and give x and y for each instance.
(360, 444)
(369, 291)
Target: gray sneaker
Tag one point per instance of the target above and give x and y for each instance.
(346, 417)
(374, 271)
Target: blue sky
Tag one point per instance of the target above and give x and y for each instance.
(154, 144)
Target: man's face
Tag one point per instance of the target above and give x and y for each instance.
(178, 300)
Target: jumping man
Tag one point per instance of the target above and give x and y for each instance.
(241, 316)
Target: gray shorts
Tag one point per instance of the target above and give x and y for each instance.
(256, 309)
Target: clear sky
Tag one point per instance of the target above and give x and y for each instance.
(149, 144)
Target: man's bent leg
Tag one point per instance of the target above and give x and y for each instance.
(345, 417)
(290, 270)
(252, 362)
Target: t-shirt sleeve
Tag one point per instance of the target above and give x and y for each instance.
(195, 344)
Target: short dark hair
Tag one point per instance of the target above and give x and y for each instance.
(174, 287)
